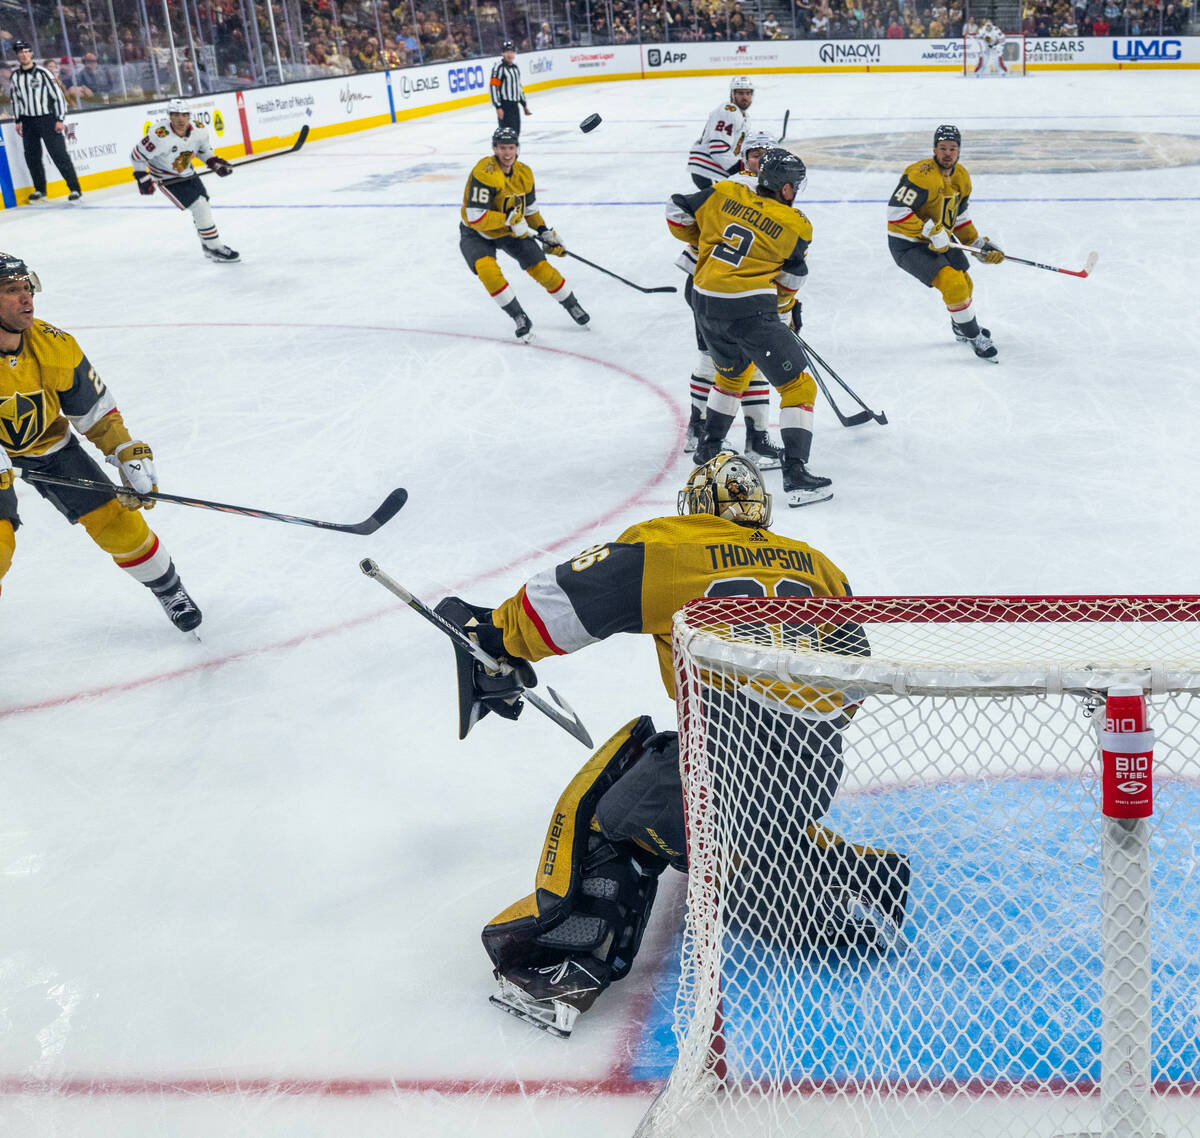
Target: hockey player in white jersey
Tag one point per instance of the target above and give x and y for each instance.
(756, 402)
(717, 153)
(990, 41)
(163, 159)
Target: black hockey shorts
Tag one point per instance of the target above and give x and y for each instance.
(184, 191)
(763, 340)
(526, 251)
(70, 462)
(922, 262)
(702, 183)
(688, 292)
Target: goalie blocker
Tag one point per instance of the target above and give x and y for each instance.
(615, 828)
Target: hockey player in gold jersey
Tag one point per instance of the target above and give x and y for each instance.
(48, 387)
(620, 822)
(499, 211)
(752, 247)
(931, 202)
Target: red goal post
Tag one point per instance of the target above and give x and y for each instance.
(1012, 53)
(1040, 975)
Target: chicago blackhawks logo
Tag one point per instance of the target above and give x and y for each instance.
(22, 419)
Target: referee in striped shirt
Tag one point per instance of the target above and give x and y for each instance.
(506, 90)
(38, 105)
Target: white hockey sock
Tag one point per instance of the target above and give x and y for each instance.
(796, 418)
(202, 218)
(756, 402)
(722, 403)
(701, 382)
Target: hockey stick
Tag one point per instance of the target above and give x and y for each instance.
(855, 420)
(1088, 266)
(300, 138)
(607, 272)
(783, 133)
(388, 509)
(565, 718)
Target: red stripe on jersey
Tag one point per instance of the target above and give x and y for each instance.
(700, 160)
(962, 225)
(680, 224)
(140, 560)
(904, 218)
(539, 624)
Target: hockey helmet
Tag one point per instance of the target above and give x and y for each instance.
(505, 134)
(12, 268)
(758, 140)
(21, 45)
(778, 168)
(740, 83)
(947, 133)
(729, 486)
(508, 45)
(178, 107)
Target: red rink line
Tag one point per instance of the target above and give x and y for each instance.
(569, 541)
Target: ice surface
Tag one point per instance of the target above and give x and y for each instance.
(237, 874)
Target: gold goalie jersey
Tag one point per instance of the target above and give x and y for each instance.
(751, 249)
(925, 193)
(491, 195)
(49, 385)
(639, 582)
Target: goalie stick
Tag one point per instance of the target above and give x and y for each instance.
(564, 715)
(300, 139)
(1086, 271)
(388, 509)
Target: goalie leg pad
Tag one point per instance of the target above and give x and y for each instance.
(584, 882)
(645, 805)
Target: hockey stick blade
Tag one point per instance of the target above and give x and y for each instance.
(388, 509)
(564, 715)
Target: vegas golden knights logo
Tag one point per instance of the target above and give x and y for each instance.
(22, 419)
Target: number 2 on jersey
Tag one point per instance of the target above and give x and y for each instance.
(732, 253)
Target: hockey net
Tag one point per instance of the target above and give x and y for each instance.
(1041, 975)
(1008, 62)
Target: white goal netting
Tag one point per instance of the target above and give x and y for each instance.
(908, 913)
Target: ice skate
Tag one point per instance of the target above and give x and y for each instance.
(35, 196)
(695, 431)
(520, 318)
(74, 196)
(575, 309)
(766, 455)
(221, 253)
(984, 348)
(552, 996)
(181, 609)
(803, 488)
(708, 449)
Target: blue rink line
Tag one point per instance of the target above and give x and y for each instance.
(1000, 982)
(807, 201)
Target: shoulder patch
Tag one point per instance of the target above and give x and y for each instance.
(926, 166)
(50, 330)
(730, 107)
(161, 131)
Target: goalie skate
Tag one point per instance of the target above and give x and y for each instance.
(552, 996)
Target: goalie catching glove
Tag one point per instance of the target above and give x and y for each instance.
(551, 243)
(988, 252)
(135, 460)
(481, 690)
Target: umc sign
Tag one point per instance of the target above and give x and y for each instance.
(1148, 49)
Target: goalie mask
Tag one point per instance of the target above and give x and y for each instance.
(730, 487)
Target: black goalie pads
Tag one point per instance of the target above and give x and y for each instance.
(819, 890)
(480, 691)
(591, 897)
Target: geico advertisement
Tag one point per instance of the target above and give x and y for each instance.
(441, 83)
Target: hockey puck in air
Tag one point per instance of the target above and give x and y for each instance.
(590, 123)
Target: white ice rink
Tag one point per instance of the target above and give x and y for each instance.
(242, 881)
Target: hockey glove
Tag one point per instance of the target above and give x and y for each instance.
(481, 691)
(6, 471)
(222, 168)
(135, 460)
(988, 252)
(551, 243)
(938, 238)
(145, 183)
(518, 225)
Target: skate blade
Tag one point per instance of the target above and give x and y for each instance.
(764, 463)
(809, 497)
(552, 1016)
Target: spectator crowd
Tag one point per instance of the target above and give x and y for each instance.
(220, 44)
